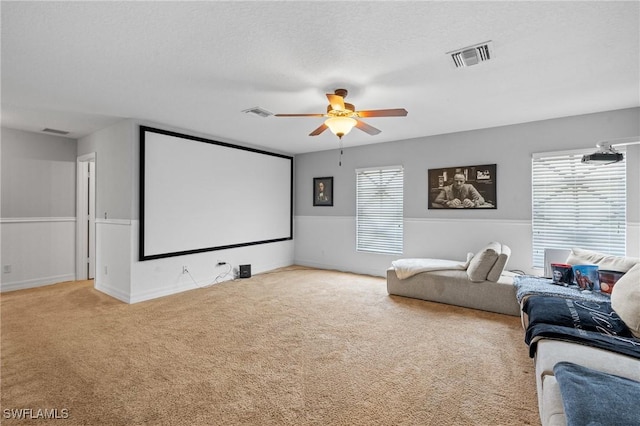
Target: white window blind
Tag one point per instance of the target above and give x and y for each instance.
(379, 210)
(577, 204)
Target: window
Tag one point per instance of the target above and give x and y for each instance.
(379, 210)
(577, 204)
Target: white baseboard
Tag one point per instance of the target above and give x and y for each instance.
(154, 294)
(37, 251)
(113, 292)
(375, 272)
(37, 282)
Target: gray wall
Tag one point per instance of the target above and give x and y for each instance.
(38, 180)
(38, 175)
(510, 147)
(114, 168)
(325, 236)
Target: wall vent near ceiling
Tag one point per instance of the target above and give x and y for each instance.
(472, 55)
(260, 112)
(55, 131)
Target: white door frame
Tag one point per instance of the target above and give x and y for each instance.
(85, 218)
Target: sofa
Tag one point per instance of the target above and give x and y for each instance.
(585, 345)
(480, 282)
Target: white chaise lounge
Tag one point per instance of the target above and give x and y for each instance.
(479, 283)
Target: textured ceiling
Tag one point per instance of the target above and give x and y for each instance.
(81, 66)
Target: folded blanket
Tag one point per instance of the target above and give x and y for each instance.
(406, 268)
(585, 315)
(527, 285)
(629, 346)
(591, 397)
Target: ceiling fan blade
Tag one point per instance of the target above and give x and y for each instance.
(367, 128)
(337, 102)
(396, 112)
(299, 115)
(319, 130)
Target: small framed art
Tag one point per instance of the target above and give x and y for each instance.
(323, 191)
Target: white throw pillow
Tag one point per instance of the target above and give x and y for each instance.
(483, 261)
(469, 257)
(606, 262)
(498, 267)
(625, 299)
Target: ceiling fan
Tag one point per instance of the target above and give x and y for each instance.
(342, 116)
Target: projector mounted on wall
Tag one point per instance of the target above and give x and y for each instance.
(607, 154)
(603, 157)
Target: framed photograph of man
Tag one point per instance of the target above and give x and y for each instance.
(467, 187)
(323, 191)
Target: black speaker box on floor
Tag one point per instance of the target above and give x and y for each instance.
(245, 271)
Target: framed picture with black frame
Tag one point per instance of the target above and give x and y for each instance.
(323, 191)
(463, 187)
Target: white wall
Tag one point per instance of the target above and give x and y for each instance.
(113, 253)
(161, 277)
(113, 147)
(325, 236)
(119, 273)
(37, 224)
(39, 251)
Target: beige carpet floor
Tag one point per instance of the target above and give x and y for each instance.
(295, 346)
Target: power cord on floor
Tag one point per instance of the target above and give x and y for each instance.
(226, 273)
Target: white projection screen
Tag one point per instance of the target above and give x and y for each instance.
(200, 195)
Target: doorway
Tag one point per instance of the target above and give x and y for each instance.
(86, 217)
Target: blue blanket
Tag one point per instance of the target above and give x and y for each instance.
(585, 315)
(591, 397)
(629, 346)
(587, 323)
(527, 285)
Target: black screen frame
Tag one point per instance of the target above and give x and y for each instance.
(142, 182)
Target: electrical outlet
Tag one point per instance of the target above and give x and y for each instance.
(6, 269)
(185, 270)
(105, 270)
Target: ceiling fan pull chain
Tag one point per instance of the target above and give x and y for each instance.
(340, 158)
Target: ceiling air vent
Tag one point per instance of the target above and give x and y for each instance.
(260, 112)
(55, 131)
(472, 55)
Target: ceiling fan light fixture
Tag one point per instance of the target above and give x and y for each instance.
(340, 126)
(342, 116)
